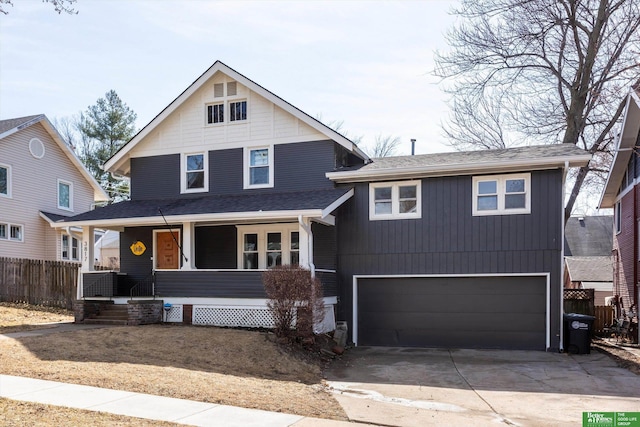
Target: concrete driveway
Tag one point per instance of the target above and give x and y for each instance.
(417, 387)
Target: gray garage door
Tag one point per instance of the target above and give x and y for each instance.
(470, 312)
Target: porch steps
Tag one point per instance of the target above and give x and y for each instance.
(110, 314)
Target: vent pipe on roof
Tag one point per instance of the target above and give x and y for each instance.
(413, 146)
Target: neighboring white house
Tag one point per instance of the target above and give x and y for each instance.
(41, 181)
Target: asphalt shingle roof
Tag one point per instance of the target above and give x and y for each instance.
(590, 268)
(265, 202)
(473, 157)
(588, 236)
(9, 124)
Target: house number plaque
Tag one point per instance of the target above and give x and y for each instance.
(138, 248)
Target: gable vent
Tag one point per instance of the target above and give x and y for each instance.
(218, 90)
(232, 89)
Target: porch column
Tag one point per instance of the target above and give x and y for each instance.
(306, 245)
(188, 246)
(88, 257)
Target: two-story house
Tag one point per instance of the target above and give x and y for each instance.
(41, 181)
(622, 193)
(452, 249)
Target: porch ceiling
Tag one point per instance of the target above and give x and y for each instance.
(263, 206)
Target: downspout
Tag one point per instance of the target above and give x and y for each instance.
(562, 224)
(307, 229)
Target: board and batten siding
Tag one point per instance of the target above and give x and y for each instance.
(297, 167)
(34, 188)
(449, 240)
(186, 130)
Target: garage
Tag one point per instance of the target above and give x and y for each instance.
(454, 312)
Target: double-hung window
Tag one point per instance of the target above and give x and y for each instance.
(13, 232)
(5, 181)
(194, 173)
(65, 195)
(70, 248)
(266, 246)
(258, 167)
(395, 200)
(502, 194)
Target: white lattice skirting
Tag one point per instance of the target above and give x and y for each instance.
(246, 317)
(174, 314)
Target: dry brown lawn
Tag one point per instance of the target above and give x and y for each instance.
(23, 317)
(224, 366)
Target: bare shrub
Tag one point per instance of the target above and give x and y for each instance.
(293, 296)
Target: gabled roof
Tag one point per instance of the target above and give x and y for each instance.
(121, 157)
(624, 149)
(590, 268)
(255, 206)
(588, 236)
(11, 126)
(516, 159)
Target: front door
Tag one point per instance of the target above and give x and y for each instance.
(167, 250)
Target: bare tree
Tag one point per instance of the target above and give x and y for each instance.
(59, 6)
(541, 71)
(385, 146)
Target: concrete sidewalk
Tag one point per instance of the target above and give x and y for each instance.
(148, 406)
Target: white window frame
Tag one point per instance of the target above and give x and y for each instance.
(70, 247)
(617, 216)
(501, 194)
(8, 193)
(183, 173)
(233, 101)
(70, 185)
(206, 113)
(395, 200)
(8, 228)
(262, 230)
(247, 166)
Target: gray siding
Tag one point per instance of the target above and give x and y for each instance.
(136, 267)
(449, 240)
(216, 247)
(324, 246)
(155, 177)
(213, 284)
(298, 167)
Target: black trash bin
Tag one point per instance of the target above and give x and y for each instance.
(577, 333)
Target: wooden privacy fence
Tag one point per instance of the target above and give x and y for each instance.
(604, 318)
(50, 283)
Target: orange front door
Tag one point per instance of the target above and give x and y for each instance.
(167, 250)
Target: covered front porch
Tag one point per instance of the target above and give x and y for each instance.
(201, 263)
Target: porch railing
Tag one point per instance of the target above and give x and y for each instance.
(99, 284)
(144, 287)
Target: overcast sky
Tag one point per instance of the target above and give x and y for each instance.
(365, 63)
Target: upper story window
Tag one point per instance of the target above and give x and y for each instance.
(5, 181)
(237, 111)
(502, 194)
(395, 200)
(65, 195)
(194, 173)
(13, 232)
(258, 167)
(215, 113)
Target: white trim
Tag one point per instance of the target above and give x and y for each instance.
(8, 168)
(354, 318)
(458, 169)
(31, 150)
(8, 226)
(236, 100)
(117, 160)
(237, 302)
(183, 172)
(501, 194)
(261, 230)
(326, 212)
(246, 167)
(70, 185)
(395, 200)
(206, 112)
(155, 248)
